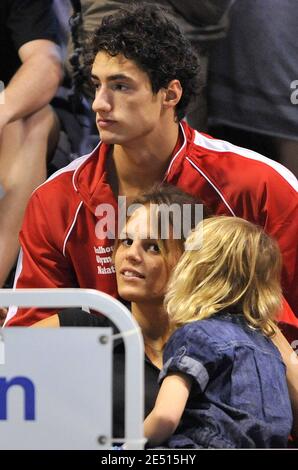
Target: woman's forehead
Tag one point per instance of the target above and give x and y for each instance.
(141, 224)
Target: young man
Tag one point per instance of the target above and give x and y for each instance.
(145, 75)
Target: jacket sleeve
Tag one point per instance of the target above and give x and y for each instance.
(41, 262)
(267, 196)
(255, 188)
(278, 214)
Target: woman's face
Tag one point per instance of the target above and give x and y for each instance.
(141, 270)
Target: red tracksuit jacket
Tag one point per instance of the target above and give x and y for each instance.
(59, 238)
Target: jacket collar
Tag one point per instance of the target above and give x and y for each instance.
(90, 177)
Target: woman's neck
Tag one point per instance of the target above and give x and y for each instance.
(154, 323)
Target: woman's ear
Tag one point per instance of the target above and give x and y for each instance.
(172, 94)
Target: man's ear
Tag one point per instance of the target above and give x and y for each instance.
(172, 94)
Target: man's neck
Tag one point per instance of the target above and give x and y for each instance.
(137, 166)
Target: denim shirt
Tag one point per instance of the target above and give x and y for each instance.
(239, 396)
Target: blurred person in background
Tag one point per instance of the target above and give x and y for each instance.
(253, 80)
(31, 72)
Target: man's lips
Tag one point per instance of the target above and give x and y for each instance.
(104, 122)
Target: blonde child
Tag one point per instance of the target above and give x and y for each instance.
(223, 380)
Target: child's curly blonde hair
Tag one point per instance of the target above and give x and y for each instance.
(237, 264)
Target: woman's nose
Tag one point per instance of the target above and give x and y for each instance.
(133, 252)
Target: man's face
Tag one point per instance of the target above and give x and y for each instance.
(126, 109)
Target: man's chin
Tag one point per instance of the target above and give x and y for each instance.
(110, 139)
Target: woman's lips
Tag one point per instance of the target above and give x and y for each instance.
(131, 274)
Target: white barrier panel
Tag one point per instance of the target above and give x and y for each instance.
(55, 389)
(24, 351)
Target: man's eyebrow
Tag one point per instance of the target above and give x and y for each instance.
(117, 76)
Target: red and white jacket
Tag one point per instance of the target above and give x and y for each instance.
(59, 244)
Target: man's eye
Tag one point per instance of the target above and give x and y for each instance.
(119, 87)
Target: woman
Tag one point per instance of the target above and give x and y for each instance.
(143, 261)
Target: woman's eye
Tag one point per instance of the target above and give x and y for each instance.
(127, 242)
(154, 248)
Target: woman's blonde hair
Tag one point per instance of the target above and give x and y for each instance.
(238, 265)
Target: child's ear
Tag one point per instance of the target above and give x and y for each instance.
(172, 94)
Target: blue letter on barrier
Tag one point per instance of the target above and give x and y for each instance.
(29, 396)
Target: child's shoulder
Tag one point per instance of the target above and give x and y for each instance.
(226, 329)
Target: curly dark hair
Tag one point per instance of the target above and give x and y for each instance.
(149, 37)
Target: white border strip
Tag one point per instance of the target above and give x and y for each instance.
(13, 308)
(18, 268)
(214, 187)
(71, 227)
(176, 155)
(82, 160)
(222, 146)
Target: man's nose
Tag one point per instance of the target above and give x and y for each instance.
(102, 101)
